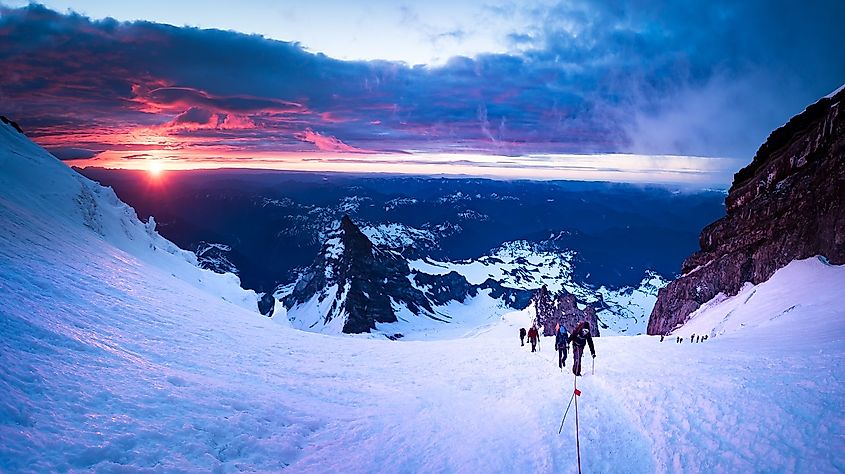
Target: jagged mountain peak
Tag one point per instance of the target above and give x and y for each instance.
(347, 226)
(561, 308)
(352, 285)
(346, 239)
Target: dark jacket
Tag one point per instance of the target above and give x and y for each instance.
(521, 332)
(561, 338)
(581, 337)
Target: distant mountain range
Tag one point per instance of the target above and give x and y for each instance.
(355, 285)
(275, 223)
(356, 253)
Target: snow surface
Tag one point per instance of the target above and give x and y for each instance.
(115, 359)
(455, 320)
(628, 309)
(398, 236)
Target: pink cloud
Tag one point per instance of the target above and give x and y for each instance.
(196, 118)
(328, 143)
(329, 117)
(170, 99)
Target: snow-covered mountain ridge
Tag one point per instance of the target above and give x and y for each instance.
(37, 190)
(415, 292)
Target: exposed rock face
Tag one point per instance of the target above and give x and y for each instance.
(562, 308)
(441, 289)
(516, 298)
(215, 257)
(14, 125)
(362, 281)
(788, 204)
(266, 304)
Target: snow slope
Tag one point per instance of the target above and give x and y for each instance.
(810, 286)
(763, 394)
(111, 361)
(42, 197)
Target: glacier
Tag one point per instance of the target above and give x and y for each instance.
(119, 354)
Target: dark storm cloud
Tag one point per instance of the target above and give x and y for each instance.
(187, 97)
(193, 115)
(707, 79)
(697, 77)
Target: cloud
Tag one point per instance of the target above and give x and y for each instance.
(589, 77)
(137, 156)
(70, 153)
(195, 116)
(166, 98)
(327, 143)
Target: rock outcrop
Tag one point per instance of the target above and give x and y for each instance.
(788, 204)
(561, 308)
(13, 124)
(359, 282)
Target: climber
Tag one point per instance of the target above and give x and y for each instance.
(580, 337)
(533, 336)
(561, 343)
(521, 336)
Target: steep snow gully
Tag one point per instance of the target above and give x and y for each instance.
(118, 354)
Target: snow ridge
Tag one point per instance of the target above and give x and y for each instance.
(38, 187)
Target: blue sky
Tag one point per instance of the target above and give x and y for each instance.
(417, 33)
(516, 80)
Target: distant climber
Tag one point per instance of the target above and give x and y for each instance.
(580, 337)
(533, 336)
(561, 345)
(661, 338)
(521, 336)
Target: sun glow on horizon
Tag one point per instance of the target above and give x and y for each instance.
(155, 168)
(631, 168)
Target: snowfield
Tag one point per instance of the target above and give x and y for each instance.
(118, 354)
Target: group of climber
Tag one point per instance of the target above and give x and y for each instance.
(693, 338)
(579, 339)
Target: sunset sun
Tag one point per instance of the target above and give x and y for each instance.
(154, 168)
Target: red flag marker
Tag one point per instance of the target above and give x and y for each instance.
(577, 392)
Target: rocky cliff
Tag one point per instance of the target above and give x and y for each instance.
(788, 204)
(561, 308)
(354, 283)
